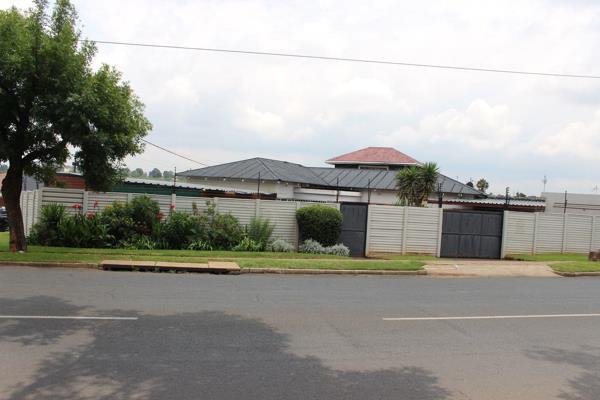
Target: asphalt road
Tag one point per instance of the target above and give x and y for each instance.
(295, 337)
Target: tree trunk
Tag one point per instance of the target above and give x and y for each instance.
(11, 192)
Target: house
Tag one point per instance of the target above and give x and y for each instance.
(367, 175)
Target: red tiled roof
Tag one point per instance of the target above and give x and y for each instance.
(374, 155)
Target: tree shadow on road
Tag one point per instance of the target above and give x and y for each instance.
(586, 386)
(204, 355)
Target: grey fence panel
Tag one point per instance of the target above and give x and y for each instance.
(67, 197)
(393, 229)
(519, 233)
(528, 233)
(578, 237)
(99, 201)
(422, 230)
(283, 215)
(243, 209)
(549, 233)
(385, 226)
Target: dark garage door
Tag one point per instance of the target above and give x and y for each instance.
(354, 227)
(472, 234)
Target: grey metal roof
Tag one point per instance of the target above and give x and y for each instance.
(271, 170)
(274, 170)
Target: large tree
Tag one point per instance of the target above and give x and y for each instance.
(53, 106)
(415, 184)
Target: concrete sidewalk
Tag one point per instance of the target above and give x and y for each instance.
(488, 268)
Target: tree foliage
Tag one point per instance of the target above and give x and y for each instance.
(53, 105)
(482, 185)
(415, 184)
(155, 173)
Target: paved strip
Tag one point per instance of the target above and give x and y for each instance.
(491, 317)
(65, 317)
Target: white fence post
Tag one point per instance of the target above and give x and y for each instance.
(535, 229)
(592, 236)
(257, 207)
(404, 228)
(174, 200)
(439, 236)
(367, 236)
(84, 206)
(564, 236)
(505, 217)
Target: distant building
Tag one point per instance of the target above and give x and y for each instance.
(366, 175)
(575, 203)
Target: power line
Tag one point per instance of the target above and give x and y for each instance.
(172, 152)
(359, 60)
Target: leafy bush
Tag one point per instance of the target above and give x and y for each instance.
(312, 247)
(141, 242)
(338, 250)
(321, 223)
(83, 231)
(45, 232)
(225, 231)
(280, 246)
(248, 244)
(177, 231)
(260, 231)
(119, 223)
(145, 212)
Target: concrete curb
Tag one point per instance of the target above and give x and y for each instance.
(297, 271)
(47, 264)
(576, 274)
(306, 271)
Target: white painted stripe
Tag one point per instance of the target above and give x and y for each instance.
(492, 317)
(65, 317)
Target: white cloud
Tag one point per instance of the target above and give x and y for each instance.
(579, 139)
(480, 127)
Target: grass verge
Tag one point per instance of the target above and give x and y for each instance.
(549, 257)
(576, 266)
(244, 259)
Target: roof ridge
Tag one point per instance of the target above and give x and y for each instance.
(261, 160)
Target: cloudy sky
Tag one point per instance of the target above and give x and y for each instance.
(510, 129)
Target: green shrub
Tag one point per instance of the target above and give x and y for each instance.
(145, 212)
(45, 232)
(248, 244)
(119, 224)
(280, 246)
(177, 231)
(83, 231)
(225, 231)
(321, 223)
(260, 231)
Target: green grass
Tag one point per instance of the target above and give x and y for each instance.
(549, 257)
(577, 266)
(244, 259)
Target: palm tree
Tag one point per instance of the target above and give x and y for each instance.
(415, 184)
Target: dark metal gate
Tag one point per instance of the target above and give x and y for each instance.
(354, 227)
(472, 234)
